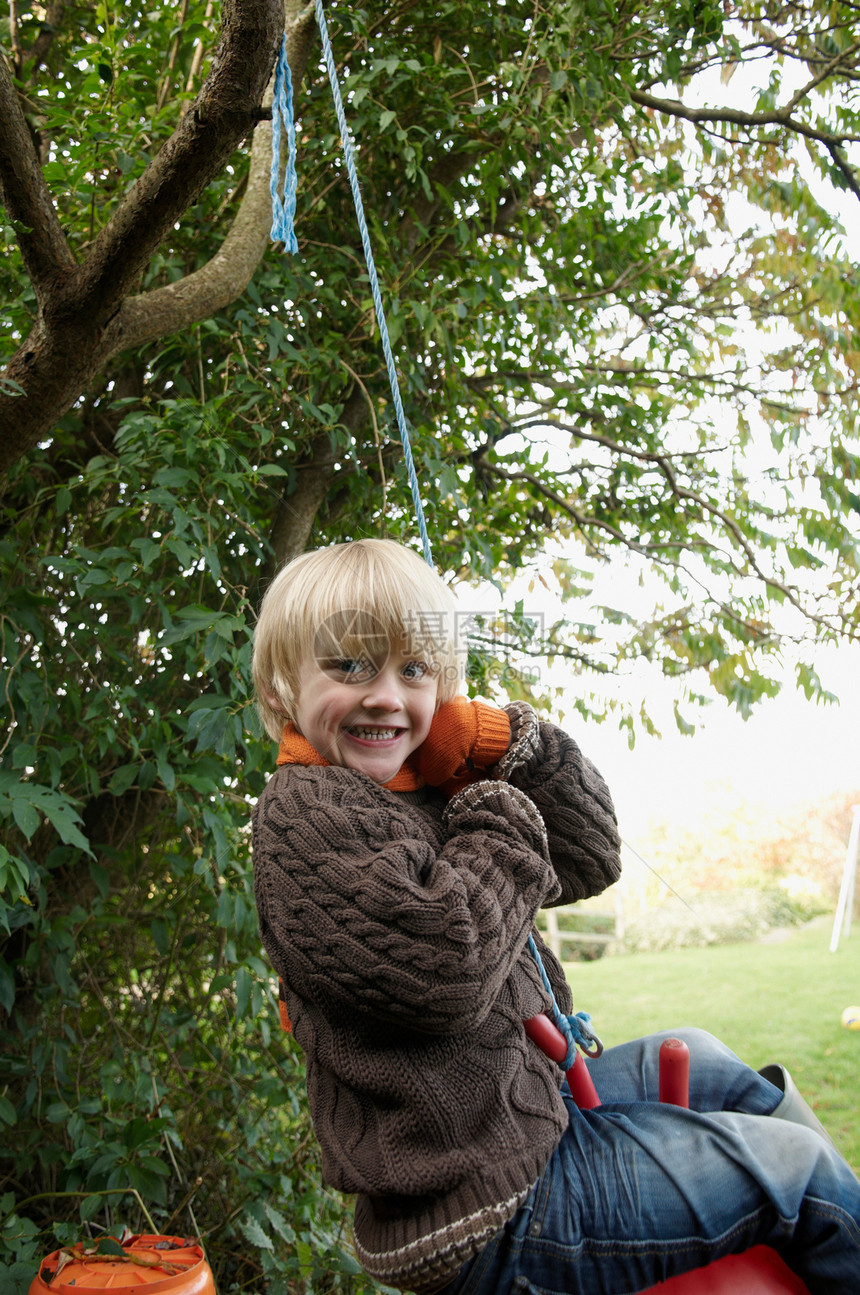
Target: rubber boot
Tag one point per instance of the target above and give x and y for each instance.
(793, 1107)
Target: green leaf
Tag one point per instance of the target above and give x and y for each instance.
(89, 1208)
(101, 878)
(284, 1230)
(26, 817)
(166, 774)
(348, 1263)
(108, 1246)
(255, 1234)
(65, 819)
(122, 778)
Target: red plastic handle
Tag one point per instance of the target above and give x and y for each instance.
(582, 1085)
(675, 1072)
(551, 1041)
(547, 1036)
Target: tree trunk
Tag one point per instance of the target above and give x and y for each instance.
(85, 313)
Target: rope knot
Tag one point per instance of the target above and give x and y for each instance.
(576, 1028)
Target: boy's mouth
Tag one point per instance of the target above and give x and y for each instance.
(373, 734)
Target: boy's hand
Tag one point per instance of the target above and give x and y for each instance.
(465, 735)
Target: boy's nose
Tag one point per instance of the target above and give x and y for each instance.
(382, 692)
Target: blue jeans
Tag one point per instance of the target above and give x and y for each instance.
(637, 1192)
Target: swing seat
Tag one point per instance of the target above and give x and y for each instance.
(759, 1271)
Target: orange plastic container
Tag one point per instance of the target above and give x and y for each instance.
(168, 1265)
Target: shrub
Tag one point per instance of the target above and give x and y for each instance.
(713, 918)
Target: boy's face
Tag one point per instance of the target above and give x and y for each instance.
(366, 714)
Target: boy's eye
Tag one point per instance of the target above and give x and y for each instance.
(353, 668)
(415, 670)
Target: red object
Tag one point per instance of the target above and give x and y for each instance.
(674, 1072)
(286, 1023)
(547, 1036)
(166, 1266)
(551, 1041)
(581, 1085)
(759, 1271)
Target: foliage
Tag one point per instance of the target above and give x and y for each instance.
(139, 1050)
(567, 258)
(734, 848)
(568, 265)
(713, 918)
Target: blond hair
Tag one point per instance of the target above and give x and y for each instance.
(352, 599)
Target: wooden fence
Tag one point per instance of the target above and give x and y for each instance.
(563, 931)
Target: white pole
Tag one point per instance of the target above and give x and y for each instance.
(845, 905)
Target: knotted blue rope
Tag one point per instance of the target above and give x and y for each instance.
(283, 212)
(365, 242)
(576, 1029)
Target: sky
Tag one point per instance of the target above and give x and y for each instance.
(790, 753)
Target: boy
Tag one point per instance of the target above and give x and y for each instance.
(401, 853)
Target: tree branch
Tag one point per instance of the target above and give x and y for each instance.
(38, 52)
(841, 163)
(79, 324)
(201, 145)
(296, 513)
(652, 550)
(25, 195)
(221, 280)
(735, 117)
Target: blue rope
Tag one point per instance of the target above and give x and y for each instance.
(283, 230)
(574, 1028)
(283, 213)
(374, 281)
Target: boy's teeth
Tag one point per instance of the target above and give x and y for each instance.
(371, 733)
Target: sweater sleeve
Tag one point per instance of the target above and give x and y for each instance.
(371, 904)
(574, 802)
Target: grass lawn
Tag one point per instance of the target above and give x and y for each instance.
(769, 1001)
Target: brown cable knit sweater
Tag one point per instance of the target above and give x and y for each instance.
(398, 925)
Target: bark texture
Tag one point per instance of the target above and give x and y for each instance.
(87, 312)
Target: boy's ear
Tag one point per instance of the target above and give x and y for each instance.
(272, 700)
